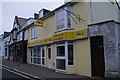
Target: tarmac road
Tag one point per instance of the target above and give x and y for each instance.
(11, 75)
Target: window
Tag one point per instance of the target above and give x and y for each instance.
(70, 54)
(65, 53)
(35, 55)
(42, 55)
(61, 50)
(34, 32)
(60, 19)
(20, 36)
(63, 18)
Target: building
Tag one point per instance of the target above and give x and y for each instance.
(77, 38)
(18, 40)
(1, 36)
(4, 44)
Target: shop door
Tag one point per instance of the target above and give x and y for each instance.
(49, 57)
(97, 57)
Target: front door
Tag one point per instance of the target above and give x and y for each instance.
(49, 57)
(97, 56)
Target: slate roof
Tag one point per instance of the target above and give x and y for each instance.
(21, 21)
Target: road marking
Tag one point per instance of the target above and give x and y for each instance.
(17, 73)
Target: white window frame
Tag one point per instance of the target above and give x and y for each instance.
(21, 36)
(73, 54)
(34, 56)
(42, 57)
(34, 32)
(65, 19)
(66, 55)
(31, 49)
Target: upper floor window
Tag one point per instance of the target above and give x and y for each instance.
(21, 36)
(63, 18)
(34, 32)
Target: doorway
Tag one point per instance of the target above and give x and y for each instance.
(97, 56)
(49, 56)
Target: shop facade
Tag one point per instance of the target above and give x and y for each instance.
(72, 41)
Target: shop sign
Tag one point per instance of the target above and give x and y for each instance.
(39, 23)
(80, 34)
(59, 37)
(62, 36)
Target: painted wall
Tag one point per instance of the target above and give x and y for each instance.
(82, 57)
(103, 11)
(109, 31)
(44, 32)
(82, 60)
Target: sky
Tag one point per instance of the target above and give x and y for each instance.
(8, 11)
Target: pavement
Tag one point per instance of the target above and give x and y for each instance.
(42, 73)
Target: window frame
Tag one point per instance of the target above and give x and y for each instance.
(34, 32)
(65, 19)
(66, 54)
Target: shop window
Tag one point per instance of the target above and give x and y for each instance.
(61, 64)
(61, 50)
(65, 53)
(70, 54)
(42, 55)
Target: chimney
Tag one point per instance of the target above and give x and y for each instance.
(36, 16)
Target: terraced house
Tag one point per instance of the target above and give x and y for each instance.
(77, 38)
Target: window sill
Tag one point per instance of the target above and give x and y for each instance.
(64, 30)
(33, 38)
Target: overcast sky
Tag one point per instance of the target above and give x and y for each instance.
(21, 9)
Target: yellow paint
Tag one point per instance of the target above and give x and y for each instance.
(48, 34)
(53, 56)
(82, 57)
(70, 69)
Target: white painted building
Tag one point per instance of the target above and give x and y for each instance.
(1, 36)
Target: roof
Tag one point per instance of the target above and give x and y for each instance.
(6, 34)
(52, 12)
(21, 21)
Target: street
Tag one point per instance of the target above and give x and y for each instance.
(10, 75)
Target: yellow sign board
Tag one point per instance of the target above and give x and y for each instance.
(62, 36)
(58, 37)
(39, 23)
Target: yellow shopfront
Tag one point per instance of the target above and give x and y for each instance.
(60, 52)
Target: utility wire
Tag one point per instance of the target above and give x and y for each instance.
(74, 14)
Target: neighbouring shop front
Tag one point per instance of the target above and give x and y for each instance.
(6, 52)
(18, 51)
